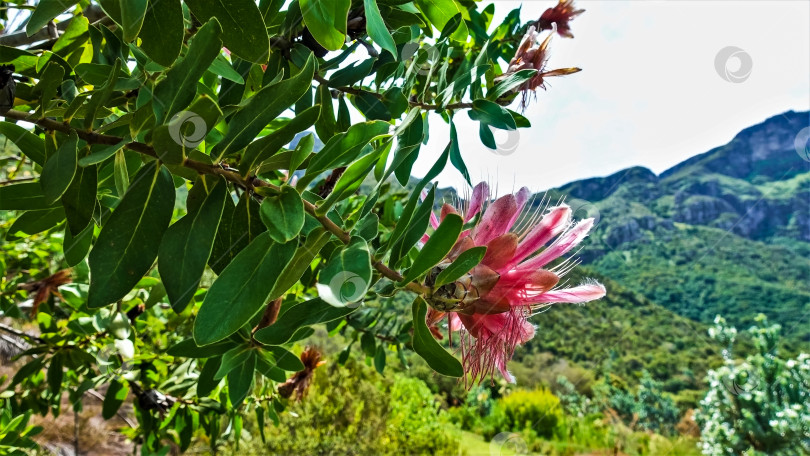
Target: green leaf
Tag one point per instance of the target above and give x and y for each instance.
(232, 359)
(300, 262)
(76, 247)
(414, 227)
(55, 373)
(493, 114)
(440, 242)
(33, 222)
(509, 83)
(50, 80)
(58, 172)
(79, 200)
(162, 32)
(45, 11)
(178, 89)
(426, 346)
(31, 145)
(299, 315)
(351, 179)
(187, 244)
(440, 12)
(101, 154)
(116, 395)
(120, 172)
(379, 359)
(265, 147)
(263, 107)
(100, 96)
(347, 276)
(455, 154)
(242, 289)
(128, 243)
(23, 197)
(187, 348)
(342, 149)
(206, 382)
(240, 381)
(462, 265)
(285, 359)
(283, 214)
(132, 16)
(247, 35)
(326, 20)
(376, 28)
(238, 228)
(185, 130)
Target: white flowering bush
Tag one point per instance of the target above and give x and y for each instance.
(760, 406)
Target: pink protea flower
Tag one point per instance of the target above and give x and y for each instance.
(493, 302)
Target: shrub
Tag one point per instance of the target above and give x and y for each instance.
(538, 410)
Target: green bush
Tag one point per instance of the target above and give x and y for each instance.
(538, 410)
(352, 410)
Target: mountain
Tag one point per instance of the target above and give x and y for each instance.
(725, 232)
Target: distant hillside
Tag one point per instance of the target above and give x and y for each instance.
(725, 232)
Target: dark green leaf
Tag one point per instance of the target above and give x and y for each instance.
(55, 373)
(509, 83)
(128, 243)
(242, 289)
(206, 382)
(283, 214)
(326, 20)
(285, 359)
(187, 348)
(58, 172)
(75, 248)
(247, 35)
(132, 15)
(45, 11)
(79, 200)
(178, 89)
(116, 395)
(347, 276)
(232, 359)
(267, 146)
(462, 265)
(263, 107)
(440, 242)
(33, 222)
(23, 197)
(30, 144)
(414, 227)
(298, 315)
(185, 130)
(426, 346)
(455, 154)
(376, 28)
(492, 113)
(301, 261)
(100, 96)
(240, 381)
(162, 31)
(187, 244)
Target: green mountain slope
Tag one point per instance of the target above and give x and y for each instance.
(725, 232)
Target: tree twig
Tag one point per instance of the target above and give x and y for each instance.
(203, 168)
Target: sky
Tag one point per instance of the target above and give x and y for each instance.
(649, 93)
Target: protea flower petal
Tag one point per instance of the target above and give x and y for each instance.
(493, 301)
